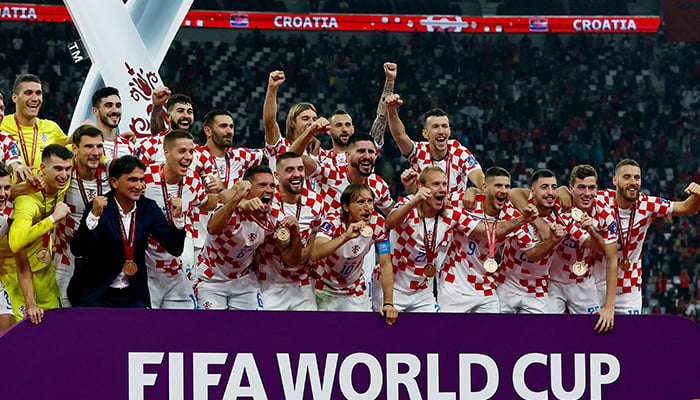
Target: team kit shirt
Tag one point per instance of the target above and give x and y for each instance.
(647, 209)
(150, 149)
(518, 274)
(166, 278)
(458, 163)
(30, 148)
(309, 212)
(5, 219)
(119, 147)
(332, 157)
(463, 272)
(341, 272)
(409, 248)
(80, 192)
(282, 146)
(9, 150)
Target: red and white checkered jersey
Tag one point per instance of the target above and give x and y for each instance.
(332, 157)
(5, 219)
(282, 146)
(231, 166)
(333, 179)
(342, 271)
(119, 147)
(9, 149)
(464, 265)
(527, 276)
(648, 209)
(65, 229)
(408, 243)
(229, 254)
(193, 196)
(271, 267)
(565, 255)
(150, 149)
(459, 161)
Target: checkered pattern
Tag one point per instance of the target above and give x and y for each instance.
(332, 157)
(229, 254)
(464, 265)
(409, 249)
(239, 159)
(532, 277)
(65, 229)
(342, 270)
(5, 219)
(282, 146)
(648, 209)
(271, 267)
(150, 149)
(193, 195)
(123, 147)
(460, 159)
(9, 149)
(333, 179)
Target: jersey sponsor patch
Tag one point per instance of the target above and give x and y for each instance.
(326, 227)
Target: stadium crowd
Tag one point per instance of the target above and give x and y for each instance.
(580, 99)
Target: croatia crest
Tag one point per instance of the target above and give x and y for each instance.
(251, 238)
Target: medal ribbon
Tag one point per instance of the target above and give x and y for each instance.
(491, 235)
(228, 169)
(430, 245)
(128, 241)
(82, 187)
(24, 145)
(625, 241)
(164, 188)
(298, 213)
(266, 224)
(47, 236)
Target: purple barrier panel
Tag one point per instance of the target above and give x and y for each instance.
(163, 354)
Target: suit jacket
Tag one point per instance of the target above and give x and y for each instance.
(100, 254)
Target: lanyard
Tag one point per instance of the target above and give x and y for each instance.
(128, 241)
(81, 186)
(164, 188)
(430, 244)
(625, 241)
(24, 145)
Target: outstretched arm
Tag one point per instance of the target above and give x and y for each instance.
(272, 128)
(691, 204)
(396, 127)
(379, 124)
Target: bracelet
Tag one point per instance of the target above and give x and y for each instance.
(387, 304)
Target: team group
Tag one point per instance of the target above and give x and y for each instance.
(162, 222)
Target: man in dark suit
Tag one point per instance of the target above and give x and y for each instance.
(111, 241)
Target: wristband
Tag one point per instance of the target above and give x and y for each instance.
(388, 304)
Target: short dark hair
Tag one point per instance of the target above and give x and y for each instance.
(341, 111)
(55, 149)
(101, 93)
(5, 170)
(359, 137)
(86, 130)
(177, 99)
(626, 161)
(170, 137)
(496, 171)
(249, 174)
(209, 118)
(541, 173)
(286, 156)
(582, 171)
(435, 112)
(25, 78)
(125, 165)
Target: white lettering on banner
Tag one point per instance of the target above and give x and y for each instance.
(604, 25)
(314, 22)
(400, 371)
(18, 13)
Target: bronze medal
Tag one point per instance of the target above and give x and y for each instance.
(130, 267)
(282, 234)
(429, 270)
(366, 231)
(625, 264)
(490, 265)
(43, 255)
(577, 214)
(579, 268)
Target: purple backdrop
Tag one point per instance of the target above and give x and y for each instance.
(160, 354)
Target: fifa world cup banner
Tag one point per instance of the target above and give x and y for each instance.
(170, 354)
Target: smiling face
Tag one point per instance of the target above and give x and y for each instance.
(109, 113)
(497, 189)
(584, 192)
(436, 181)
(290, 174)
(28, 99)
(437, 131)
(544, 192)
(361, 156)
(303, 121)
(2, 109)
(628, 181)
(56, 173)
(180, 156)
(182, 116)
(128, 188)
(263, 187)
(360, 208)
(4, 191)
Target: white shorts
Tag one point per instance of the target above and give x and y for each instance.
(64, 273)
(512, 302)
(168, 290)
(463, 303)
(416, 301)
(238, 294)
(629, 303)
(574, 298)
(5, 305)
(330, 301)
(288, 296)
